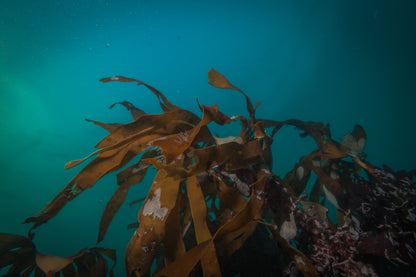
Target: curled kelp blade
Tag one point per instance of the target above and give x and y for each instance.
(135, 112)
(163, 101)
(216, 115)
(110, 127)
(218, 80)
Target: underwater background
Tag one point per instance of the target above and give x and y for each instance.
(337, 62)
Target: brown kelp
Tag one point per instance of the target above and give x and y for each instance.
(20, 254)
(215, 207)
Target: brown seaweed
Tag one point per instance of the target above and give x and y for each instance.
(20, 254)
(210, 195)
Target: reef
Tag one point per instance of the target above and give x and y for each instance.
(215, 208)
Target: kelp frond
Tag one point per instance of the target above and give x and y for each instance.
(211, 196)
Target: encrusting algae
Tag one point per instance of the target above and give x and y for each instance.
(214, 202)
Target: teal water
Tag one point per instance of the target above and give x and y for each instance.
(339, 62)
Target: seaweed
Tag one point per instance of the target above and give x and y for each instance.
(214, 202)
(19, 254)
